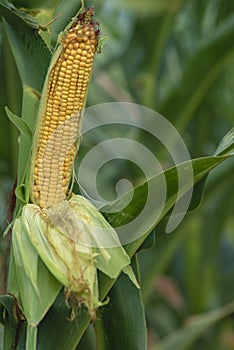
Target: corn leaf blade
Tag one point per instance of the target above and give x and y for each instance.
(8, 319)
(183, 339)
(185, 98)
(37, 4)
(28, 48)
(121, 323)
(226, 145)
(201, 167)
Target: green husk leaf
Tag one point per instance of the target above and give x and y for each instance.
(37, 287)
(24, 253)
(71, 263)
(110, 257)
(19, 123)
(29, 108)
(66, 238)
(20, 193)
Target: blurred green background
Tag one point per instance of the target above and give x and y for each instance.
(176, 57)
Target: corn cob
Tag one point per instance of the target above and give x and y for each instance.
(57, 131)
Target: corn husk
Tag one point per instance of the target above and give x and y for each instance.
(69, 238)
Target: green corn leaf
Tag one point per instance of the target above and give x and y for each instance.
(9, 319)
(29, 49)
(74, 332)
(32, 57)
(38, 14)
(196, 326)
(64, 331)
(121, 323)
(149, 242)
(201, 167)
(227, 144)
(148, 7)
(37, 4)
(199, 74)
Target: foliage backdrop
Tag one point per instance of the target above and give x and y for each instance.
(177, 59)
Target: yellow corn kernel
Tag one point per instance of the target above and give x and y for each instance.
(57, 132)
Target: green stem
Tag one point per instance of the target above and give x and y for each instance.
(31, 342)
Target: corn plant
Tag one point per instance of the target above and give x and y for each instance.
(62, 282)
